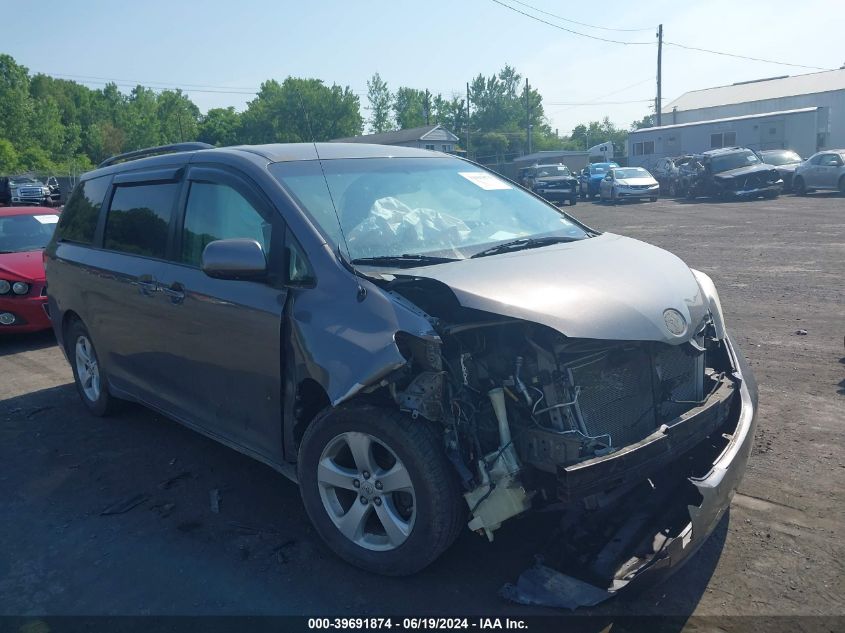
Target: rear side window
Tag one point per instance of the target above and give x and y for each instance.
(78, 221)
(139, 217)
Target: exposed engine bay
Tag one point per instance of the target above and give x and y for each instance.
(533, 419)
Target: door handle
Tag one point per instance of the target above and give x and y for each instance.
(147, 285)
(176, 292)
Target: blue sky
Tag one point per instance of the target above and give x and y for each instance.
(439, 44)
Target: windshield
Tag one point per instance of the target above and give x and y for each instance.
(726, 162)
(24, 181)
(631, 172)
(441, 207)
(20, 233)
(552, 170)
(785, 157)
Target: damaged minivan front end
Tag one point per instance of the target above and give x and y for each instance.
(640, 442)
(588, 374)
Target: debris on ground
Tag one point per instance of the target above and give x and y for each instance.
(167, 484)
(125, 505)
(541, 585)
(801, 332)
(252, 530)
(164, 509)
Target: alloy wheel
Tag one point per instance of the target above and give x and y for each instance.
(366, 491)
(87, 368)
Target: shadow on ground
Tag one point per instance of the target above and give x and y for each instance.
(112, 516)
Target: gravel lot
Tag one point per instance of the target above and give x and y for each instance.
(780, 268)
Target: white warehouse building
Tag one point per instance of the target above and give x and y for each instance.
(805, 113)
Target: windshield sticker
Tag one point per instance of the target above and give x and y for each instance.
(51, 218)
(485, 181)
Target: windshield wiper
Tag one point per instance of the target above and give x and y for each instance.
(402, 260)
(524, 243)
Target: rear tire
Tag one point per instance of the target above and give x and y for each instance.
(91, 383)
(653, 199)
(573, 201)
(799, 186)
(673, 190)
(400, 531)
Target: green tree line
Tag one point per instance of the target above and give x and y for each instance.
(56, 125)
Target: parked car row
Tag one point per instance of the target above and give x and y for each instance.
(730, 173)
(739, 172)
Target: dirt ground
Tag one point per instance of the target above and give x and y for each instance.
(780, 268)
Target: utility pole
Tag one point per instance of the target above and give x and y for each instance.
(527, 117)
(427, 106)
(658, 104)
(467, 119)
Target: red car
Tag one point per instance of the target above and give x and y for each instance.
(24, 232)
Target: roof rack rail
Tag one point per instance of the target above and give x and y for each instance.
(153, 151)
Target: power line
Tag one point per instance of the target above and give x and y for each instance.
(609, 94)
(591, 26)
(563, 28)
(676, 44)
(754, 59)
(583, 103)
(135, 81)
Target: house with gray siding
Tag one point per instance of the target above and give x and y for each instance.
(432, 137)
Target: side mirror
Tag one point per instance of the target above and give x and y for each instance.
(234, 259)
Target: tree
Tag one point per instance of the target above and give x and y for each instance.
(9, 159)
(380, 99)
(646, 121)
(409, 108)
(15, 102)
(178, 117)
(220, 126)
(301, 110)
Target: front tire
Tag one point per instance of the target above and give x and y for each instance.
(91, 383)
(379, 489)
(799, 186)
(842, 185)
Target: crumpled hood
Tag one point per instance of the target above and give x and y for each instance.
(28, 265)
(744, 171)
(607, 287)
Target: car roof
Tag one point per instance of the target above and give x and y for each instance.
(271, 153)
(7, 211)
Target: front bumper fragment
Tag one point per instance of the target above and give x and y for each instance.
(715, 488)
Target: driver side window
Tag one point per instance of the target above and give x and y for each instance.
(215, 212)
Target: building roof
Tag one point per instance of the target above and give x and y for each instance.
(773, 88)
(396, 136)
(725, 120)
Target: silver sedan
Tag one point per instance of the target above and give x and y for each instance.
(627, 183)
(823, 170)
